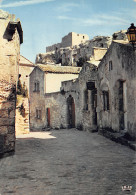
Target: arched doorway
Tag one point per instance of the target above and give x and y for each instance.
(71, 112)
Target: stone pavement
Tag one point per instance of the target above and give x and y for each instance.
(67, 162)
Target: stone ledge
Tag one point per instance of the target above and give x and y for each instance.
(6, 154)
(118, 138)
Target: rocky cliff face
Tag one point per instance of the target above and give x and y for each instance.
(78, 54)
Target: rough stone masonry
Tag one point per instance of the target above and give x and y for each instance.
(11, 36)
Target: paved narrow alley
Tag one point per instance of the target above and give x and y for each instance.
(67, 162)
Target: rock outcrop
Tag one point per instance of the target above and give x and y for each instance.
(76, 55)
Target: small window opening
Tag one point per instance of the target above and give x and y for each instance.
(36, 87)
(110, 66)
(38, 114)
(105, 100)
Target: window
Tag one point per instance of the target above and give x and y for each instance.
(38, 114)
(110, 65)
(106, 100)
(36, 86)
(83, 37)
(101, 44)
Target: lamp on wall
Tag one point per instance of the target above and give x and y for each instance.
(131, 34)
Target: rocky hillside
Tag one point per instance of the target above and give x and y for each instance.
(77, 55)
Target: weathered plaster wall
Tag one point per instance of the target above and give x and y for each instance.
(98, 53)
(49, 83)
(123, 69)
(58, 102)
(25, 68)
(53, 81)
(37, 100)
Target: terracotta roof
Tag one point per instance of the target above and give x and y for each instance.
(59, 69)
(24, 61)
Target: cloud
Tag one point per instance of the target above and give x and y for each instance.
(23, 3)
(98, 19)
(66, 18)
(67, 7)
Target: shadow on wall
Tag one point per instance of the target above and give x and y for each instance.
(7, 117)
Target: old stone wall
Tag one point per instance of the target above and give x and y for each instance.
(58, 103)
(22, 115)
(49, 82)
(9, 65)
(68, 41)
(53, 47)
(117, 76)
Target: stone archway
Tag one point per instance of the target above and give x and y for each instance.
(71, 112)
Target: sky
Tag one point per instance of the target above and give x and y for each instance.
(45, 22)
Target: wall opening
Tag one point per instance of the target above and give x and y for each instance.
(91, 87)
(121, 105)
(94, 106)
(48, 117)
(71, 112)
(86, 99)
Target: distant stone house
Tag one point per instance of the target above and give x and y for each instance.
(11, 36)
(25, 68)
(72, 105)
(116, 89)
(75, 105)
(22, 108)
(46, 79)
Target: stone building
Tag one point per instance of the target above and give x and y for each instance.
(75, 50)
(75, 55)
(69, 41)
(22, 108)
(46, 79)
(11, 36)
(116, 87)
(102, 97)
(25, 68)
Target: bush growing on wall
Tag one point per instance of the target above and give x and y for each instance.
(22, 90)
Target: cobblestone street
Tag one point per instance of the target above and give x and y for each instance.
(67, 162)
